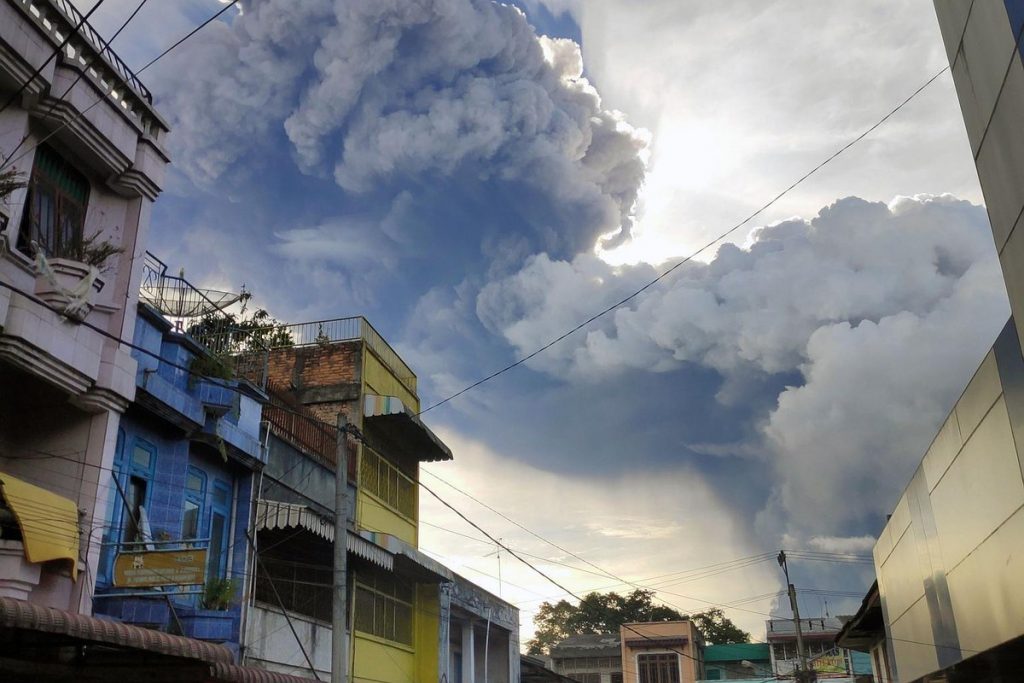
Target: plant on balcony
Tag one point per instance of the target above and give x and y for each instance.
(214, 365)
(92, 251)
(219, 594)
(10, 180)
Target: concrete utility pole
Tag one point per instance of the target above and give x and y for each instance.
(339, 604)
(804, 674)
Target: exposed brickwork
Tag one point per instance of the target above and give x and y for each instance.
(311, 367)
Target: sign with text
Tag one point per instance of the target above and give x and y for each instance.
(146, 569)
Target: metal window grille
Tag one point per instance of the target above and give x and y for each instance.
(662, 667)
(383, 608)
(55, 209)
(384, 481)
(303, 589)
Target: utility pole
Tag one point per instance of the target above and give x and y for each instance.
(803, 674)
(339, 604)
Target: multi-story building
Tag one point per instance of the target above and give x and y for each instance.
(185, 464)
(81, 132)
(823, 655)
(950, 578)
(411, 618)
(662, 652)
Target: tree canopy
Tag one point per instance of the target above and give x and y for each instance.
(606, 612)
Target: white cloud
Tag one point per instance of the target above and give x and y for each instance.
(842, 544)
(376, 92)
(648, 524)
(883, 310)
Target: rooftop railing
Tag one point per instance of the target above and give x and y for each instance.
(322, 332)
(88, 51)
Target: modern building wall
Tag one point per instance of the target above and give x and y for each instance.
(983, 50)
(950, 571)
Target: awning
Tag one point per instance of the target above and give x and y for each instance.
(48, 522)
(401, 424)
(272, 514)
(20, 614)
(409, 561)
(185, 659)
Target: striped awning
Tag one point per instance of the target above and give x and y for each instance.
(404, 426)
(272, 514)
(48, 522)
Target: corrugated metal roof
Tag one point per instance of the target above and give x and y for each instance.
(273, 514)
(19, 614)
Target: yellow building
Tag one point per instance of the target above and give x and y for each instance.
(411, 619)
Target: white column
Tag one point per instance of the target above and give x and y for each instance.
(468, 653)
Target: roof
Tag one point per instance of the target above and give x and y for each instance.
(533, 670)
(217, 661)
(810, 628)
(866, 627)
(404, 425)
(588, 645)
(736, 652)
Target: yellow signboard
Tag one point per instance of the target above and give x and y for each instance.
(830, 664)
(160, 568)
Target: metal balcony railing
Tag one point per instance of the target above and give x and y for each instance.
(340, 330)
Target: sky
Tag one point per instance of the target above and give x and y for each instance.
(478, 178)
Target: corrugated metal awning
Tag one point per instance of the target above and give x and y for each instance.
(19, 614)
(272, 514)
(402, 424)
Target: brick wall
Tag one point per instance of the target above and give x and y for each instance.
(328, 371)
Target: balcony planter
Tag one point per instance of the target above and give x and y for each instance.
(207, 624)
(68, 286)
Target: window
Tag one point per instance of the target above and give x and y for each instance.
(617, 677)
(714, 674)
(220, 513)
(135, 486)
(195, 493)
(55, 207)
(383, 608)
(658, 668)
(303, 588)
(587, 678)
(382, 479)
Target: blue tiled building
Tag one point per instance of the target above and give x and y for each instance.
(187, 459)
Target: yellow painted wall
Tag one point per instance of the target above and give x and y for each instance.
(428, 620)
(373, 515)
(377, 379)
(374, 661)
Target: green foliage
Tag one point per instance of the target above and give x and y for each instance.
(92, 251)
(213, 365)
(219, 594)
(242, 331)
(718, 629)
(606, 612)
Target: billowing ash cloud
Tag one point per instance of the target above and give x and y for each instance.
(883, 311)
(381, 92)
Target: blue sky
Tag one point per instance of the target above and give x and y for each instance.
(475, 181)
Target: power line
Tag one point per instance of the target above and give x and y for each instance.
(693, 255)
(81, 73)
(74, 32)
(103, 97)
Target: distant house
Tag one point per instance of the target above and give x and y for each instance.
(589, 658)
(823, 655)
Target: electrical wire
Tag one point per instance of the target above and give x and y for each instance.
(74, 32)
(12, 159)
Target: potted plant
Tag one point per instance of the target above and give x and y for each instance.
(70, 281)
(213, 620)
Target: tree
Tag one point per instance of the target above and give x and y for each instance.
(596, 613)
(719, 629)
(606, 612)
